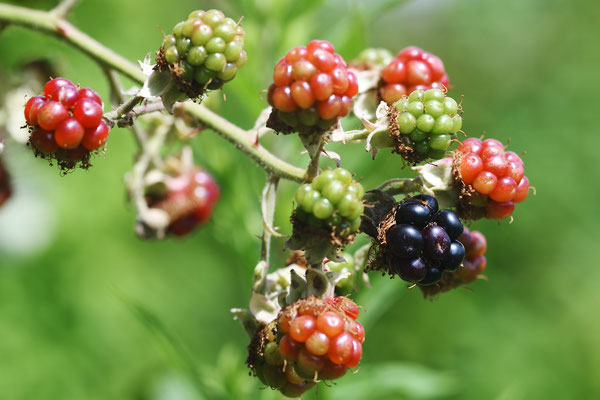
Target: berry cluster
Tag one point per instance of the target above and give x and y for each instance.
(321, 338)
(205, 51)
(472, 266)
(411, 70)
(5, 186)
(491, 179)
(423, 242)
(188, 201)
(333, 199)
(427, 121)
(66, 122)
(311, 89)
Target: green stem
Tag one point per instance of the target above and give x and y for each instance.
(240, 139)
(54, 24)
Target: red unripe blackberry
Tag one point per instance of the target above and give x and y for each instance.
(189, 200)
(328, 339)
(411, 70)
(315, 79)
(67, 118)
(486, 173)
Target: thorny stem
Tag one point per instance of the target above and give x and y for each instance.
(241, 141)
(121, 111)
(55, 24)
(117, 90)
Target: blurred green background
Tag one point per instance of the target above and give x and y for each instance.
(88, 311)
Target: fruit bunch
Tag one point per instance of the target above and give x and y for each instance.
(412, 69)
(333, 199)
(473, 265)
(5, 186)
(188, 200)
(491, 179)
(203, 52)
(66, 122)
(427, 121)
(311, 89)
(421, 241)
(321, 338)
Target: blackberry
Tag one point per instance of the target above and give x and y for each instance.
(425, 123)
(204, 52)
(418, 242)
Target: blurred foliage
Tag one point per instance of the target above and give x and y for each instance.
(69, 258)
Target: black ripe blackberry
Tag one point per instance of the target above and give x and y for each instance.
(422, 243)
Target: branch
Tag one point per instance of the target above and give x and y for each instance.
(117, 90)
(49, 23)
(239, 138)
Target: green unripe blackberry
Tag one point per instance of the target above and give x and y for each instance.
(427, 122)
(333, 199)
(204, 52)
